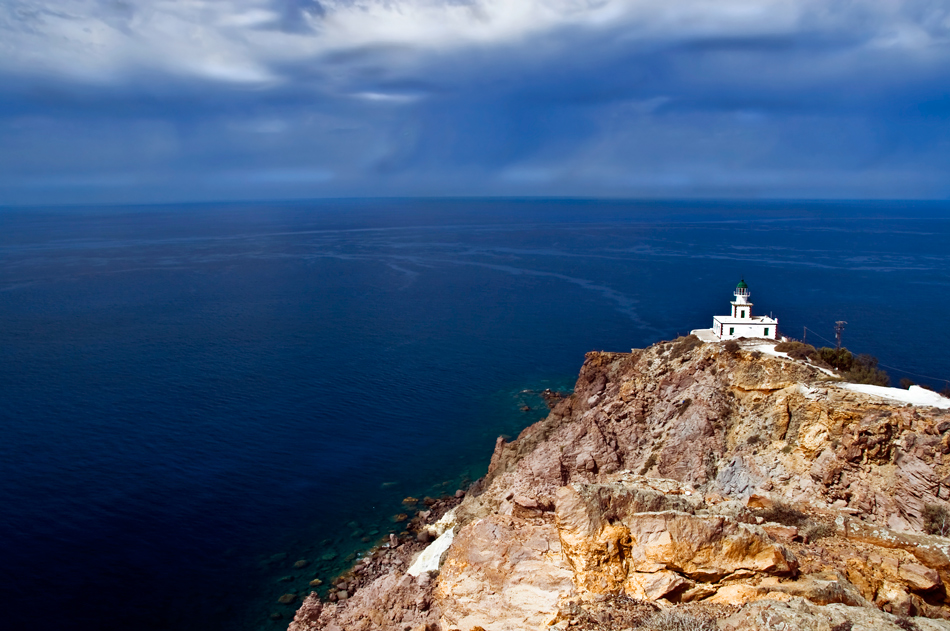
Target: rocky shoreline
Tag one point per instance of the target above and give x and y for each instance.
(686, 485)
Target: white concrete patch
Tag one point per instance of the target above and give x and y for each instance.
(769, 349)
(915, 395)
(705, 335)
(430, 559)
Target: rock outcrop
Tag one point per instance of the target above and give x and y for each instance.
(731, 489)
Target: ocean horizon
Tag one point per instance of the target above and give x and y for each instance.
(193, 397)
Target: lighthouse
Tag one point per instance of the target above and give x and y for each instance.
(740, 322)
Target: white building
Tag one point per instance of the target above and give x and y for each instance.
(741, 322)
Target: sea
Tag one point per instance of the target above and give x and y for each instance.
(193, 398)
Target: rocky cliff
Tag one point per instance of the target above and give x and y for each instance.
(683, 486)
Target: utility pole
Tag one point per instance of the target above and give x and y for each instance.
(804, 335)
(839, 327)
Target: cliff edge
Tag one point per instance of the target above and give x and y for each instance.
(688, 485)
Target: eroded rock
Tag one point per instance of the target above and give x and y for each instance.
(503, 573)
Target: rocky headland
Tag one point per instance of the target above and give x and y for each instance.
(688, 485)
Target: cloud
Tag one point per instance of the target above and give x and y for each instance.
(248, 41)
(591, 97)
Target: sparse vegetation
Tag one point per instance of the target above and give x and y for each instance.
(906, 624)
(731, 347)
(648, 464)
(754, 439)
(906, 383)
(936, 519)
(815, 530)
(847, 625)
(782, 513)
(672, 620)
(808, 527)
(683, 345)
(682, 405)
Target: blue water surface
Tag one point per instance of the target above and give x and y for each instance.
(194, 397)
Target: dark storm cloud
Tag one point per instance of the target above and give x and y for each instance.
(108, 100)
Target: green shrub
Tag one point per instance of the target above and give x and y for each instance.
(802, 354)
(731, 347)
(864, 370)
(856, 368)
(837, 358)
(797, 350)
(906, 383)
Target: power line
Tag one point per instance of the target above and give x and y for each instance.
(907, 372)
(818, 336)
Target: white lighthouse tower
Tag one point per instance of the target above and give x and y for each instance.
(740, 322)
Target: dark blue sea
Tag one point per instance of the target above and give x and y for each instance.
(192, 398)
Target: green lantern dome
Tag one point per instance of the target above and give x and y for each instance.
(742, 285)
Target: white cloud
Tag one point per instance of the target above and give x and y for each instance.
(387, 98)
(240, 40)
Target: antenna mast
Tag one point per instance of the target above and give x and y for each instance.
(839, 327)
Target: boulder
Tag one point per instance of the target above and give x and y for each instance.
(703, 548)
(918, 577)
(823, 589)
(656, 585)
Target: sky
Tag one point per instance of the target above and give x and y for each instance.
(115, 101)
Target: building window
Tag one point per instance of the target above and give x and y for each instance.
(766, 331)
(732, 330)
(742, 314)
